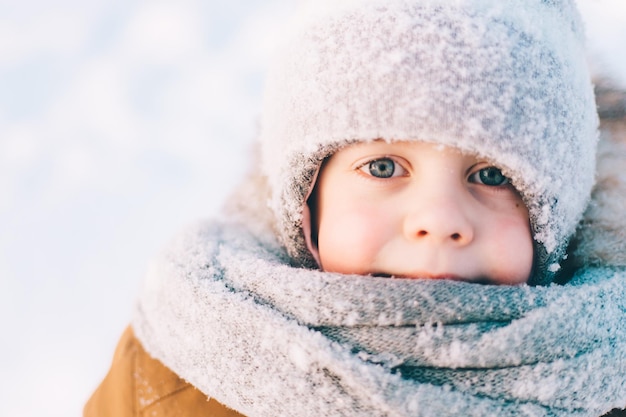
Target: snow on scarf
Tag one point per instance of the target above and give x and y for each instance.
(227, 313)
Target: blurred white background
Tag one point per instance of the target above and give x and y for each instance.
(120, 123)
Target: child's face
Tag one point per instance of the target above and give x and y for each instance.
(417, 210)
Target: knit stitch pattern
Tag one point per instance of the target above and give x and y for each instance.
(227, 313)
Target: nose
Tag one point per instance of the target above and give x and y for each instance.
(443, 221)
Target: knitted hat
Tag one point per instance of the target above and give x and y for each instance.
(506, 80)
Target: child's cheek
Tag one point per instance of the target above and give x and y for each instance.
(349, 241)
(507, 201)
(370, 228)
(510, 249)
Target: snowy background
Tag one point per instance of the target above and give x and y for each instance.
(121, 122)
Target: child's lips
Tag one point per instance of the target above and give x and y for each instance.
(428, 275)
(444, 276)
(421, 275)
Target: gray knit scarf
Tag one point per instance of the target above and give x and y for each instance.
(225, 311)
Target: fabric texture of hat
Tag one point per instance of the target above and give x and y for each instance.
(506, 80)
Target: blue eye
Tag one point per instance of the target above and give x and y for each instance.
(490, 176)
(382, 168)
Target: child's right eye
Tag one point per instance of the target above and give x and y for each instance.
(383, 168)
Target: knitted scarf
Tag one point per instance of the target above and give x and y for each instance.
(225, 311)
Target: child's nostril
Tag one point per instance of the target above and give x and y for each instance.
(422, 233)
(456, 236)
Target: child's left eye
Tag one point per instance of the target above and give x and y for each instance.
(383, 168)
(490, 176)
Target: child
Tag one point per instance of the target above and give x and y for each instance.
(411, 152)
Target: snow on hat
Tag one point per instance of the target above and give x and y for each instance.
(503, 79)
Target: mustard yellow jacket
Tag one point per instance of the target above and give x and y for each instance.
(139, 386)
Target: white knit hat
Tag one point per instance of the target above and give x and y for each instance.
(503, 79)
